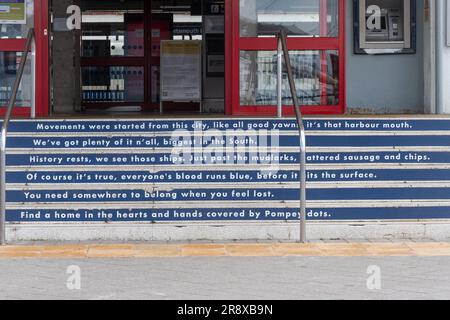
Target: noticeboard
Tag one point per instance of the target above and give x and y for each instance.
(385, 27)
(13, 12)
(181, 70)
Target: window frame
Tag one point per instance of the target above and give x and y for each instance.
(239, 44)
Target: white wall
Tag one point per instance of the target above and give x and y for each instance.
(442, 59)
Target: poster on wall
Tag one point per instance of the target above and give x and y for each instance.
(181, 70)
(13, 12)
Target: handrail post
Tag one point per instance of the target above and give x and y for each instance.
(279, 78)
(302, 135)
(33, 78)
(30, 44)
(302, 187)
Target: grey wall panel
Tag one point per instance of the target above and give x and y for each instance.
(385, 84)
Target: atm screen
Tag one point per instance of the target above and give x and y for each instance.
(383, 23)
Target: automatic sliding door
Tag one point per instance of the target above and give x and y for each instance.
(113, 63)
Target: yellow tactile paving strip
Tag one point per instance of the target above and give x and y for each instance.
(83, 251)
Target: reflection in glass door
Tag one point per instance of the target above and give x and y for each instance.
(316, 44)
(113, 64)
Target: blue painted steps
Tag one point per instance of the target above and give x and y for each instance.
(187, 170)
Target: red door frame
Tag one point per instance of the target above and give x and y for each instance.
(232, 62)
(42, 58)
(41, 24)
(146, 61)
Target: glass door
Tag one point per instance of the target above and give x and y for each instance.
(16, 18)
(316, 42)
(113, 61)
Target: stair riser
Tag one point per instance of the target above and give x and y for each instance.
(268, 214)
(124, 142)
(159, 126)
(233, 194)
(282, 158)
(67, 178)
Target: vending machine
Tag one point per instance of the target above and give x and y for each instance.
(134, 46)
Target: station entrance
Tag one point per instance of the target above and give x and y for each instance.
(174, 56)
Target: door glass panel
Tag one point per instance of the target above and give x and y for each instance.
(9, 63)
(112, 84)
(316, 75)
(306, 18)
(109, 32)
(17, 26)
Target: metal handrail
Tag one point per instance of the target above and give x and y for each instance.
(29, 45)
(282, 44)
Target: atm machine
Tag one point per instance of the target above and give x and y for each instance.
(385, 26)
